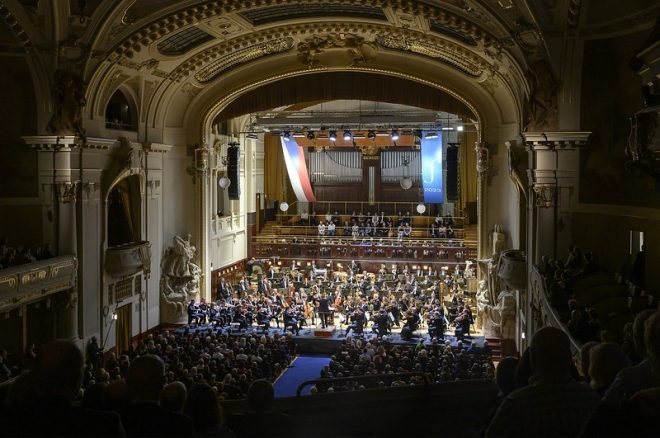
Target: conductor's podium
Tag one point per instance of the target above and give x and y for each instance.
(324, 332)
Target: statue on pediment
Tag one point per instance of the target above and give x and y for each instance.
(69, 99)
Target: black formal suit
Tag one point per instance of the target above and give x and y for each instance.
(148, 419)
(324, 311)
(262, 286)
(56, 416)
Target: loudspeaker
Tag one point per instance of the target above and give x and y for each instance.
(233, 172)
(452, 173)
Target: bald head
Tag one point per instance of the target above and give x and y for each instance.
(146, 377)
(550, 352)
(59, 369)
(173, 396)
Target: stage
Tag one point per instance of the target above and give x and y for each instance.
(313, 340)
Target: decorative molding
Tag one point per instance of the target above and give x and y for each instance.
(335, 50)
(50, 142)
(157, 147)
(243, 55)
(445, 51)
(154, 31)
(556, 140)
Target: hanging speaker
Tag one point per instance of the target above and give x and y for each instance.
(452, 173)
(233, 172)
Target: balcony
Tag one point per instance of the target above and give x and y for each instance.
(31, 281)
(125, 260)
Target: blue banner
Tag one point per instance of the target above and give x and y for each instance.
(432, 167)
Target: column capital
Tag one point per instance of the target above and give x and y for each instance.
(552, 140)
(51, 142)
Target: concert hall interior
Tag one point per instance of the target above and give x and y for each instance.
(220, 217)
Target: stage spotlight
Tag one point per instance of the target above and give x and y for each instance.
(459, 128)
(371, 135)
(430, 135)
(310, 135)
(347, 135)
(286, 134)
(394, 135)
(252, 135)
(332, 136)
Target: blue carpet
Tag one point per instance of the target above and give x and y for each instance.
(301, 369)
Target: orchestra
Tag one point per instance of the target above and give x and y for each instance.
(409, 299)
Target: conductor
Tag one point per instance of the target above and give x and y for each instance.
(323, 309)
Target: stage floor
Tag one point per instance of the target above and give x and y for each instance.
(307, 342)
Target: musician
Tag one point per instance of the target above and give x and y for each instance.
(323, 309)
(354, 266)
(437, 325)
(264, 317)
(224, 289)
(358, 321)
(412, 320)
(285, 281)
(193, 313)
(291, 320)
(271, 272)
(381, 323)
(240, 318)
(393, 309)
(263, 286)
(244, 286)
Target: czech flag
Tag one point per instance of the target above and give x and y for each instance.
(294, 157)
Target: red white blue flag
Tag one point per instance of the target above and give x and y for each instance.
(294, 157)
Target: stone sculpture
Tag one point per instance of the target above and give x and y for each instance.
(179, 280)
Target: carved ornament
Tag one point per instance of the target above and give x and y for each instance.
(241, 56)
(441, 50)
(335, 50)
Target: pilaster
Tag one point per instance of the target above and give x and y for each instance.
(553, 178)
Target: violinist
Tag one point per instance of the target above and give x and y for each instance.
(357, 322)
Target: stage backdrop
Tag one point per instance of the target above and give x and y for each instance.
(294, 157)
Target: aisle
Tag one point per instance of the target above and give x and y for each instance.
(303, 367)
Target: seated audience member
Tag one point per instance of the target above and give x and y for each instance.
(606, 360)
(144, 417)
(262, 421)
(173, 396)
(43, 404)
(505, 375)
(585, 359)
(638, 414)
(554, 404)
(641, 376)
(203, 407)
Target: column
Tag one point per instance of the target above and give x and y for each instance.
(553, 177)
(202, 168)
(483, 166)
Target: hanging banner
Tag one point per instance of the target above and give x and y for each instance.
(294, 157)
(432, 167)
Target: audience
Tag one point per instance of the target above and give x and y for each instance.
(19, 255)
(606, 360)
(643, 375)
(554, 403)
(144, 416)
(440, 362)
(203, 406)
(40, 402)
(262, 420)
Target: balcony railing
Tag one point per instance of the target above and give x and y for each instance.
(122, 261)
(31, 281)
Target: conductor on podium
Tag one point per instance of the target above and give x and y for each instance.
(324, 310)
